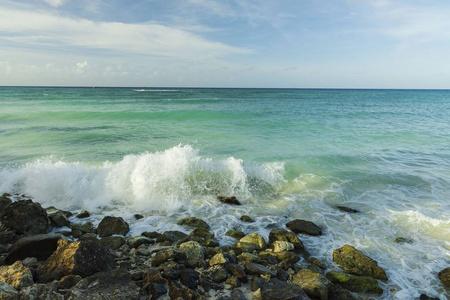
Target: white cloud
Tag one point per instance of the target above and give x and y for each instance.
(55, 3)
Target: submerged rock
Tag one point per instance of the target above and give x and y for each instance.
(193, 222)
(444, 276)
(229, 200)
(355, 262)
(16, 275)
(82, 258)
(25, 217)
(40, 246)
(306, 227)
(402, 240)
(347, 209)
(112, 225)
(355, 283)
(246, 219)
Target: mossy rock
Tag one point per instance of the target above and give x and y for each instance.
(355, 283)
(444, 276)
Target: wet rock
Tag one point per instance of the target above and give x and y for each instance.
(257, 269)
(25, 217)
(87, 227)
(306, 227)
(245, 247)
(194, 253)
(193, 222)
(69, 281)
(280, 246)
(16, 275)
(347, 209)
(88, 237)
(83, 214)
(59, 219)
(355, 262)
(235, 234)
(7, 236)
(245, 258)
(136, 241)
(156, 290)
(7, 292)
(246, 219)
(285, 257)
(172, 270)
(82, 258)
(280, 290)
(114, 284)
(282, 275)
(167, 254)
(284, 235)
(444, 276)
(171, 236)
(27, 262)
(189, 277)
(238, 271)
(426, 297)
(41, 291)
(402, 240)
(314, 285)
(336, 292)
(177, 291)
(4, 202)
(218, 259)
(138, 216)
(234, 282)
(255, 239)
(151, 234)
(40, 246)
(112, 225)
(113, 242)
(233, 295)
(316, 262)
(355, 283)
(229, 200)
(219, 274)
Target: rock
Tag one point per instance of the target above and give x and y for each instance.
(59, 219)
(238, 271)
(247, 219)
(255, 239)
(7, 236)
(284, 235)
(355, 283)
(279, 246)
(7, 292)
(194, 253)
(112, 225)
(136, 241)
(167, 254)
(193, 222)
(347, 209)
(114, 284)
(171, 270)
(41, 291)
(280, 290)
(284, 257)
(233, 295)
(69, 281)
(177, 291)
(4, 202)
(201, 233)
(229, 200)
(25, 217)
(314, 285)
(171, 236)
(189, 277)
(235, 234)
(245, 247)
(151, 234)
(306, 227)
(90, 236)
(219, 274)
(156, 290)
(355, 262)
(218, 259)
(426, 297)
(444, 276)
(113, 242)
(208, 285)
(402, 240)
(40, 246)
(245, 258)
(336, 292)
(257, 269)
(82, 258)
(83, 214)
(87, 227)
(138, 216)
(29, 261)
(16, 275)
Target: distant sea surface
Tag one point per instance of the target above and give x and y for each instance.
(168, 152)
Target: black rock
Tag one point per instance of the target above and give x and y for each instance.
(306, 227)
(25, 217)
(347, 209)
(229, 200)
(189, 277)
(112, 225)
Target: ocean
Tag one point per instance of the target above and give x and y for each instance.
(166, 153)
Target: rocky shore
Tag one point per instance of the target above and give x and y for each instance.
(84, 262)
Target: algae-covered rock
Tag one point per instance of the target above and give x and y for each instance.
(16, 275)
(347, 209)
(305, 227)
(235, 234)
(444, 276)
(255, 239)
(287, 236)
(279, 246)
(355, 283)
(112, 225)
(218, 259)
(193, 222)
(285, 257)
(279, 290)
(314, 284)
(355, 262)
(194, 252)
(25, 217)
(246, 219)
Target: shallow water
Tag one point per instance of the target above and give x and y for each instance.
(167, 153)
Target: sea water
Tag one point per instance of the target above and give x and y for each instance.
(290, 153)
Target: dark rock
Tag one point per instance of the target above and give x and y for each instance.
(40, 246)
(229, 200)
(355, 283)
(444, 276)
(136, 241)
(69, 281)
(157, 290)
(402, 240)
(219, 275)
(314, 285)
(347, 209)
(88, 237)
(59, 219)
(4, 202)
(8, 292)
(426, 297)
(113, 242)
(208, 285)
(7, 236)
(282, 275)
(257, 269)
(138, 216)
(355, 262)
(112, 225)
(280, 290)
(285, 257)
(245, 247)
(255, 239)
(193, 222)
(168, 254)
(247, 219)
(25, 217)
(284, 235)
(177, 291)
(151, 235)
(233, 295)
(82, 258)
(257, 283)
(306, 227)
(87, 227)
(235, 234)
(114, 284)
(234, 282)
(201, 233)
(189, 277)
(171, 236)
(83, 214)
(172, 270)
(16, 275)
(41, 291)
(336, 292)
(237, 271)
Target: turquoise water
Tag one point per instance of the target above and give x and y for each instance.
(285, 153)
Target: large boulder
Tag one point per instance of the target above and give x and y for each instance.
(25, 217)
(7, 292)
(112, 225)
(314, 284)
(356, 263)
(193, 222)
(59, 219)
(40, 246)
(16, 275)
(82, 258)
(255, 239)
(444, 276)
(305, 227)
(112, 285)
(194, 253)
(355, 283)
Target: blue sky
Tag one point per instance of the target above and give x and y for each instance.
(226, 43)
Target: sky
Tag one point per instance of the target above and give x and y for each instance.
(226, 43)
